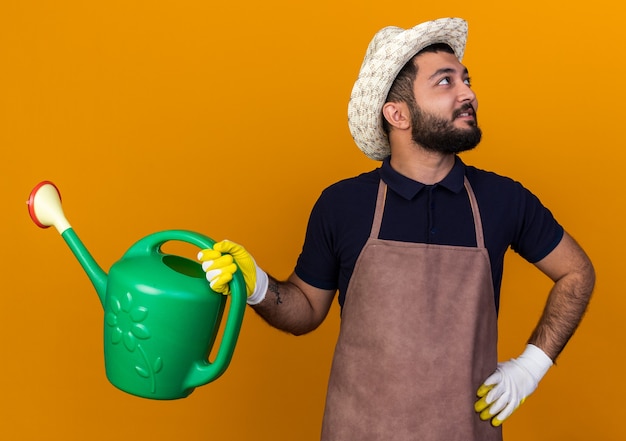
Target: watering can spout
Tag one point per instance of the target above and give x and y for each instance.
(44, 207)
(95, 273)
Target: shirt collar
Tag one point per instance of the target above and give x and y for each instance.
(408, 188)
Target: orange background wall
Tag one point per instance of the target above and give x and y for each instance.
(229, 118)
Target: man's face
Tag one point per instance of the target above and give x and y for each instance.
(444, 117)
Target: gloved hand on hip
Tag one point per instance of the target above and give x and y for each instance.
(219, 265)
(513, 381)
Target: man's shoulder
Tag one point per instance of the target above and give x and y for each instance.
(490, 180)
(497, 193)
(350, 197)
(354, 185)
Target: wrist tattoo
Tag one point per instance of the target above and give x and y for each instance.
(273, 287)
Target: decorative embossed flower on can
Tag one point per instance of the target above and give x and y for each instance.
(127, 319)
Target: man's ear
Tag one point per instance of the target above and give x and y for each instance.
(397, 115)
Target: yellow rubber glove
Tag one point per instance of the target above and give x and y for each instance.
(507, 388)
(219, 265)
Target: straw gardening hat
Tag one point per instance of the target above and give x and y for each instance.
(390, 49)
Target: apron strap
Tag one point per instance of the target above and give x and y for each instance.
(380, 208)
(478, 223)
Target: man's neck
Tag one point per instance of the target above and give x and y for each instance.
(422, 165)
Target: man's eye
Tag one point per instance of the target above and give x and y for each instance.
(445, 81)
(468, 82)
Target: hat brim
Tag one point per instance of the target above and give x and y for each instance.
(390, 49)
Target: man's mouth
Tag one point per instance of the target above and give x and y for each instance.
(467, 111)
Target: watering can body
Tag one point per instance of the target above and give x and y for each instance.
(161, 318)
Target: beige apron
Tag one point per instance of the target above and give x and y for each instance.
(418, 337)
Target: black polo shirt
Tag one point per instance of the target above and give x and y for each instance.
(341, 220)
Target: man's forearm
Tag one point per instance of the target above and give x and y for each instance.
(564, 310)
(285, 307)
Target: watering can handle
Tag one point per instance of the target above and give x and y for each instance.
(203, 372)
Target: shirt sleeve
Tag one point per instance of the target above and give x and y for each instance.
(317, 264)
(538, 232)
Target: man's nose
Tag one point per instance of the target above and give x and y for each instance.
(465, 93)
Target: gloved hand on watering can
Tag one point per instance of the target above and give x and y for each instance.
(219, 265)
(507, 388)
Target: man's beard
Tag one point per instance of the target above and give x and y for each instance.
(439, 135)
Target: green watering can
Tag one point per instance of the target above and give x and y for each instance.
(161, 318)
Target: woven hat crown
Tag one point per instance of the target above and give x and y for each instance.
(390, 49)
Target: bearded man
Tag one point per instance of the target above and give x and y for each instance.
(415, 249)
